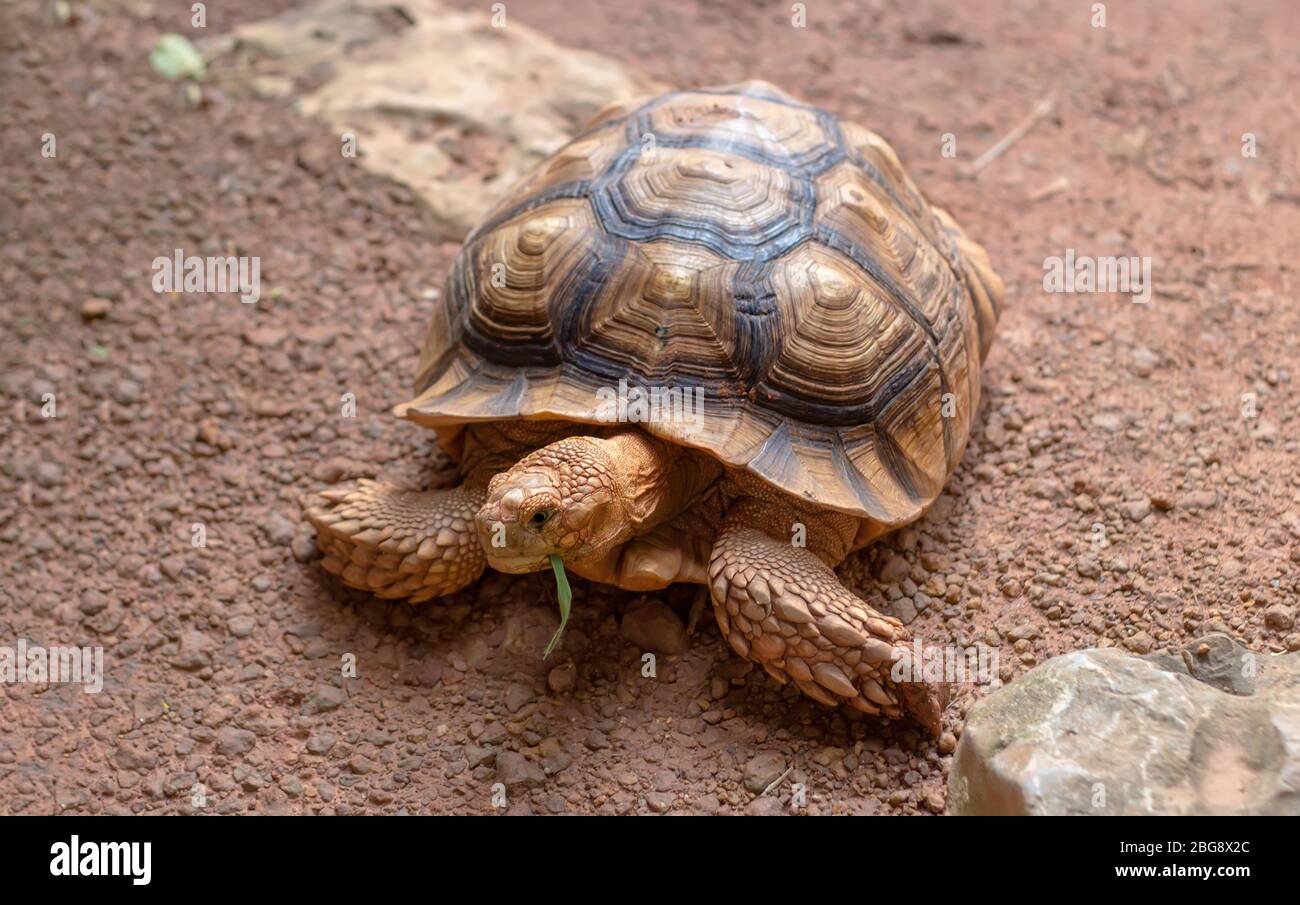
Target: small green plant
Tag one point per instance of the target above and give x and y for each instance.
(565, 593)
(174, 57)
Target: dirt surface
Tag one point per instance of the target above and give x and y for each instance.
(223, 662)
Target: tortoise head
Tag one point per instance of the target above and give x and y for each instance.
(562, 500)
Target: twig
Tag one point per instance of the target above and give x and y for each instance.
(1040, 112)
(1055, 187)
(776, 782)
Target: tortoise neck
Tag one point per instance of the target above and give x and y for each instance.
(655, 480)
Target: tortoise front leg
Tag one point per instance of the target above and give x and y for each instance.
(782, 607)
(401, 543)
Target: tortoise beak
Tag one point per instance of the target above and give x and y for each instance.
(512, 541)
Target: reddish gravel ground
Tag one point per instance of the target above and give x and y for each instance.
(223, 661)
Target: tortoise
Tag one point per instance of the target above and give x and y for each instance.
(718, 338)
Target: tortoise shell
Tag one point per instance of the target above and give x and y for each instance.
(747, 247)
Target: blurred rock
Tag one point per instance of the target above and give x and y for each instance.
(402, 85)
(1210, 729)
(652, 625)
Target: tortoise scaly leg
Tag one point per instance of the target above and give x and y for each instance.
(400, 543)
(782, 607)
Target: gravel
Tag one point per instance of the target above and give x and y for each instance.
(158, 514)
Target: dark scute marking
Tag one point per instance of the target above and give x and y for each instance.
(867, 496)
(992, 296)
(513, 352)
(507, 403)
(576, 293)
(898, 382)
(619, 216)
(898, 464)
(599, 370)
(777, 457)
(856, 253)
(752, 292)
(564, 191)
(812, 410)
(775, 399)
(956, 299)
(904, 210)
(493, 393)
(879, 179)
(572, 316)
(810, 164)
(500, 349)
(831, 129)
(904, 303)
(756, 321)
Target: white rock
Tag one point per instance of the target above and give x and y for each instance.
(447, 86)
(1107, 732)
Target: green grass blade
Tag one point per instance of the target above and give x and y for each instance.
(565, 593)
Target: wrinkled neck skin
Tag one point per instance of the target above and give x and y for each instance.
(649, 482)
(656, 480)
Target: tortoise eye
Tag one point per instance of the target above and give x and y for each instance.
(541, 517)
